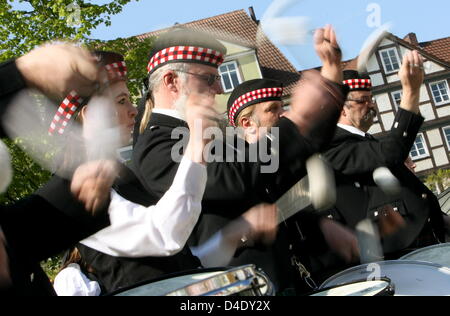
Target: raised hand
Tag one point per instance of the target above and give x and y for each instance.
(329, 52)
(412, 76)
(56, 69)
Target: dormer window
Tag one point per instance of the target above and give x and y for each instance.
(391, 60)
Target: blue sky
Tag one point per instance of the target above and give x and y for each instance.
(428, 19)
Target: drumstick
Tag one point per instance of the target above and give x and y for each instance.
(386, 181)
(369, 242)
(371, 45)
(318, 189)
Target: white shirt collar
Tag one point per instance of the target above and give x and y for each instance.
(352, 129)
(169, 112)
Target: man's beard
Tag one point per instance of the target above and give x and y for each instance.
(368, 119)
(370, 115)
(180, 104)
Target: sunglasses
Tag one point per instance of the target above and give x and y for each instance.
(364, 100)
(210, 78)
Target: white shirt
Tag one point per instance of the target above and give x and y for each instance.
(352, 129)
(169, 112)
(72, 282)
(159, 230)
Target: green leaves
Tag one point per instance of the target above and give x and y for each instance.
(135, 52)
(31, 23)
(34, 22)
(28, 176)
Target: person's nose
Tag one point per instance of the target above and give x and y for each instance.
(133, 112)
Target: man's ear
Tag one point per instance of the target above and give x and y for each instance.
(83, 113)
(170, 80)
(248, 125)
(245, 122)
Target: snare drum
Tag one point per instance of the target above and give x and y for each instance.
(439, 254)
(382, 287)
(411, 278)
(239, 281)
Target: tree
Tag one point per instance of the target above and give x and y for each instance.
(438, 181)
(23, 29)
(28, 176)
(135, 52)
(43, 20)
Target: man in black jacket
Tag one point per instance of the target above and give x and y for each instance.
(34, 228)
(233, 187)
(355, 155)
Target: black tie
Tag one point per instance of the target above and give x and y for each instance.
(368, 136)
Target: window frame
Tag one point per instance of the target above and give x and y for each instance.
(432, 94)
(393, 97)
(427, 153)
(396, 55)
(228, 73)
(445, 136)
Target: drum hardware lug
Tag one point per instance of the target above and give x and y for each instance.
(304, 273)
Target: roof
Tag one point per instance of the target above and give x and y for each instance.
(237, 27)
(439, 48)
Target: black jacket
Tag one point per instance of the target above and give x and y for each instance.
(354, 159)
(234, 187)
(43, 224)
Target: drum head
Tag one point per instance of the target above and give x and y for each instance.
(245, 281)
(410, 278)
(381, 287)
(439, 254)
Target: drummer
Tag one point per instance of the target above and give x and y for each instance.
(355, 155)
(306, 232)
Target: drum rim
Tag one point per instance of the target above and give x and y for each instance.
(407, 256)
(384, 263)
(184, 273)
(390, 286)
(210, 290)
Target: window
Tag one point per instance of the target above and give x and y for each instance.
(440, 92)
(230, 76)
(419, 149)
(397, 97)
(390, 60)
(447, 135)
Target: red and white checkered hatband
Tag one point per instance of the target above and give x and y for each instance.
(358, 83)
(252, 96)
(65, 112)
(185, 53)
(70, 105)
(117, 70)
